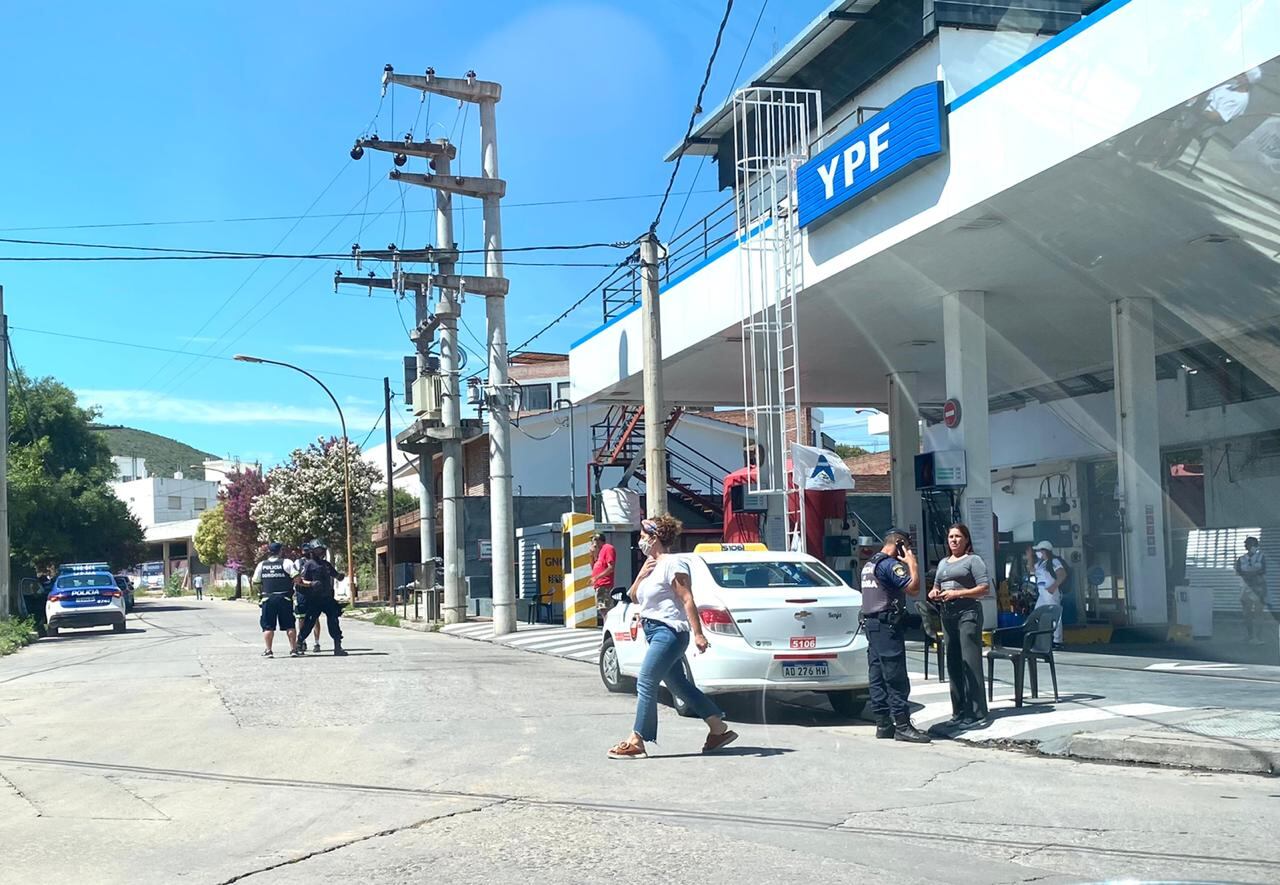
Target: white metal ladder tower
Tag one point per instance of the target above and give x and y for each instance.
(772, 128)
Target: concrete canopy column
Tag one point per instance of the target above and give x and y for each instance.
(1138, 460)
(964, 320)
(904, 445)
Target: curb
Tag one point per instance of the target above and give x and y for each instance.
(1170, 749)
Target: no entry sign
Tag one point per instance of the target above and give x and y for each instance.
(951, 413)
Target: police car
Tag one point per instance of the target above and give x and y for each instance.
(85, 595)
(774, 621)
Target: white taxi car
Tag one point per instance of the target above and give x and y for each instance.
(84, 599)
(775, 622)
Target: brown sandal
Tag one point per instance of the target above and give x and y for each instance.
(719, 741)
(628, 750)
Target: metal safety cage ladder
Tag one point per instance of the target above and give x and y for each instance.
(772, 129)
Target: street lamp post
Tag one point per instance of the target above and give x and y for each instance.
(346, 454)
(573, 455)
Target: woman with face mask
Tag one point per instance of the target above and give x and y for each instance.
(1050, 572)
(670, 620)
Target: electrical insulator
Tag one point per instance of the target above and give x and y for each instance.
(357, 152)
(399, 159)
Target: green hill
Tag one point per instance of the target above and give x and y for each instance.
(164, 456)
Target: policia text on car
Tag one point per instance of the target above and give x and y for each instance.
(887, 579)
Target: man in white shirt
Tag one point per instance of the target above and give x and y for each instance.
(1217, 108)
(1050, 572)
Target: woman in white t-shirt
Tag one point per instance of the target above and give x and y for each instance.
(669, 619)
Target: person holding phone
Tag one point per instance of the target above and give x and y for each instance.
(888, 579)
(670, 621)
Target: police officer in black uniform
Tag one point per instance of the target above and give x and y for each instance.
(318, 575)
(887, 579)
(275, 575)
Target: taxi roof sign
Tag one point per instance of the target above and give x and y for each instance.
(753, 547)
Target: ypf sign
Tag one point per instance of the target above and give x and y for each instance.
(902, 138)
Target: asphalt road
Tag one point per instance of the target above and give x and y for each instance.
(174, 753)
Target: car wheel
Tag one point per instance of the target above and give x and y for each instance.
(118, 627)
(611, 670)
(51, 630)
(847, 704)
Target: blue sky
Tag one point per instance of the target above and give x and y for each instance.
(162, 124)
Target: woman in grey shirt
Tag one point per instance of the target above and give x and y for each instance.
(961, 581)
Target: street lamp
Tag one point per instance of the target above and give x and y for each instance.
(573, 456)
(346, 453)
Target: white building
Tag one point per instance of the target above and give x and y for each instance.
(157, 499)
(1055, 224)
(129, 467)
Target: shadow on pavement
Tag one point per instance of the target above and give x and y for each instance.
(149, 608)
(758, 752)
(69, 634)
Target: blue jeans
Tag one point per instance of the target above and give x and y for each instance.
(664, 662)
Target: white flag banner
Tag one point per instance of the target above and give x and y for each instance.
(819, 469)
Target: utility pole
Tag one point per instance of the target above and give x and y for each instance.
(493, 287)
(501, 504)
(448, 311)
(655, 432)
(391, 500)
(7, 599)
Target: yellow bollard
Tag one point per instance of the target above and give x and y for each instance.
(579, 595)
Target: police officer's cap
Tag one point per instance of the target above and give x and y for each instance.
(897, 533)
(274, 548)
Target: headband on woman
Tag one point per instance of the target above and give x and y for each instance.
(649, 527)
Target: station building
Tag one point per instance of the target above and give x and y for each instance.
(1044, 237)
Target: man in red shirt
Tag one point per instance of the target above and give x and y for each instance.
(604, 559)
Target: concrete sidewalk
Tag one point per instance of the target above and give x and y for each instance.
(1110, 708)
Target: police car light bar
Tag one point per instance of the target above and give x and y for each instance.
(731, 548)
(76, 568)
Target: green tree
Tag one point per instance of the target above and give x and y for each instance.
(304, 497)
(211, 536)
(61, 506)
(845, 450)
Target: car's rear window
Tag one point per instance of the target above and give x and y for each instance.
(75, 582)
(762, 574)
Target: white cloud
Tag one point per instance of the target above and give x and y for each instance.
(147, 405)
(352, 352)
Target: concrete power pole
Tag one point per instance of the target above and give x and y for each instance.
(7, 596)
(501, 503)
(655, 434)
(490, 189)
(448, 311)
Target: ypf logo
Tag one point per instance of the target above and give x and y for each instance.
(822, 468)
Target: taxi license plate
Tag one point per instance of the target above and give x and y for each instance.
(804, 670)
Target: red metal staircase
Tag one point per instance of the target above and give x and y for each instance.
(693, 479)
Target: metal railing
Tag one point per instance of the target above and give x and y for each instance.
(685, 251)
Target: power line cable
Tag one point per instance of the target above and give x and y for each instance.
(135, 346)
(194, 367)
(227, 301)
(226, 253)
(693, 116)
(578, 201)
(702, 160)
(376, 422)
